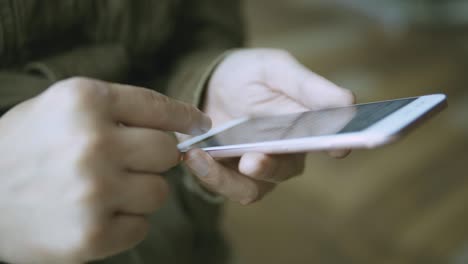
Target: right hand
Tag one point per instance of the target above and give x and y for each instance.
(79, 169)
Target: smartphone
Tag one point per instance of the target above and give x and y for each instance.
(357, 126)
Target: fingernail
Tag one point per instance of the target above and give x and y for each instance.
(206, 123)
(203, 127)
(198, 163)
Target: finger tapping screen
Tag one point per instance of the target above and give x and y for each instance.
(307, 124)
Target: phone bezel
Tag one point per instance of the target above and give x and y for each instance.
(382, 132)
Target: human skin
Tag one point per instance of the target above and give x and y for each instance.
(80, 169)
(256, 82)
(82, 161)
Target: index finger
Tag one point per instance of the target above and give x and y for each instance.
(141, 107)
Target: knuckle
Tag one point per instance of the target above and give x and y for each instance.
(281, 54)
(278, 55)
(90, 160)
(273, 52)
(93, 144)
(78, 91)
(70, 87)
(93, 190)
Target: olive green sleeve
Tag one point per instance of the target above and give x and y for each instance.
(105, 62)
(207, 30)
(16, 87)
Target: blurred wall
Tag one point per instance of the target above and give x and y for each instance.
(403, 203)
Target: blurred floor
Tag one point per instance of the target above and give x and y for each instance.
(403, 203)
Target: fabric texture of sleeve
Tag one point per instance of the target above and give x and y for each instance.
(16, 87)
(211, 31)
(207, 31)
(105, 62)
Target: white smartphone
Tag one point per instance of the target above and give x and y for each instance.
(358, 126)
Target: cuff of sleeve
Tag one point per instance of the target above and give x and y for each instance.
(194, 187)
(193, 74)
(105, 62)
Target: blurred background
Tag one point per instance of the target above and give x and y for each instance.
(403, 203)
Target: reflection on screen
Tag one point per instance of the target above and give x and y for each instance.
(307, 124)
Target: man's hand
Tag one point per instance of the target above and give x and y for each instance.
(257, 82)
(80, 165)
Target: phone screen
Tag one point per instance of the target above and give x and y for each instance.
(307, 124)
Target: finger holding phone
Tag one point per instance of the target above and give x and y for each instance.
(259, 82)
(82, 170)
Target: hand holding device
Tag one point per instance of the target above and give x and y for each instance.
(259, 82)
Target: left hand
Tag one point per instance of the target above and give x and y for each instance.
(255, 82)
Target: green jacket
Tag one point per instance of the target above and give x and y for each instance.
(168, 45)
